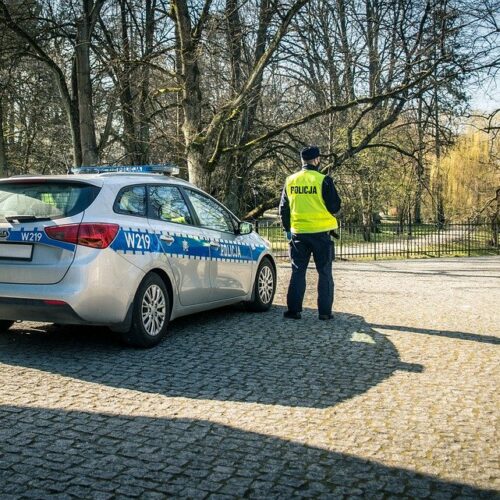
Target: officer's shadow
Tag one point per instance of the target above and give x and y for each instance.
(226, 354)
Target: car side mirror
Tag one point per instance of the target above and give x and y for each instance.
(245, 228)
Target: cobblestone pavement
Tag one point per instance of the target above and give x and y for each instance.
(398, 396)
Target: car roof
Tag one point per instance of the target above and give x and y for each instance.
(108, 178)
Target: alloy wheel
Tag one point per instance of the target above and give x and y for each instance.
(266, 284)
(153, 310)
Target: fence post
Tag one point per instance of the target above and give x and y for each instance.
(374, 240)
(469, 228)
(339, 254)
(495, 237)
(439, 239)
(408, 240)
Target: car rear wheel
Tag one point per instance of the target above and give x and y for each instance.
(151, 313)
(264, 287)
(5, 324)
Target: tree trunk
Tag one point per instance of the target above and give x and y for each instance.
(195, 162)
(73, 115)
(232, 163)
(346, 50)
(494, 221)
(144, 122)
(420, 172)
(366, 211)
(372, 22)
(234, 38)
(417, 209)
(440, 211)
(4, 166)
(126, 95)
(242, 129)
(84, 84)
(191, 97)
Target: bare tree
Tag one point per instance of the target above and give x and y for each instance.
(233, 89)
(78, 103)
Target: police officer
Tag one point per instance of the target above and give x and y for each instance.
(308, 204)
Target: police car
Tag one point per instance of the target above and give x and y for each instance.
(130, 248)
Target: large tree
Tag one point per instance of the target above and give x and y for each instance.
(232, 89)
(40, 27)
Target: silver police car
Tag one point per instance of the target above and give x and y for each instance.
(130, 248)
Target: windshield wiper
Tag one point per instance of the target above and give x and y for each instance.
(25, 218)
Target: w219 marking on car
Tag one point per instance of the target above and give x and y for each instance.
(31, 236)
(121, 247)
(138, 241)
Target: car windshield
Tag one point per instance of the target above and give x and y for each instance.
(43, 200)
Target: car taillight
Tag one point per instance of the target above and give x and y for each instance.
(51, 302)
(94, 235)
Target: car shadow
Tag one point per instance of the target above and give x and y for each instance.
(92, 455)
(226, 355)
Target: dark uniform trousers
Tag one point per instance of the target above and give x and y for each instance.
(301, 248)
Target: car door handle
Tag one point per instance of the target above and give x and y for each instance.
(167, 239)
(215, 244)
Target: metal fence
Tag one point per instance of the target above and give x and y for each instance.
(389, 240)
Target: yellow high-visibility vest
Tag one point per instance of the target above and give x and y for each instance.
(308, 212)
(48, 198)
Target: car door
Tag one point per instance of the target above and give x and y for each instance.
(230, 256)
(182, 243)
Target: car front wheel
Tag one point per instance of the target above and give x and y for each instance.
(264, 287)
(151, 312)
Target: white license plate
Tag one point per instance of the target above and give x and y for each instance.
(15, 251)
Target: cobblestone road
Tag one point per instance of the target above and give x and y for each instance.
(398, 396)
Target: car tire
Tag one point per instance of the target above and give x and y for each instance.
(264, 287)
(150, 313)
(5, 324)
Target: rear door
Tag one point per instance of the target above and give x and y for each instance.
(27, 207)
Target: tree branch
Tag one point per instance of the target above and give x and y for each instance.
(200, 25)
(260, 209)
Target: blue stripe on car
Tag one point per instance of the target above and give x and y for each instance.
(134, 241)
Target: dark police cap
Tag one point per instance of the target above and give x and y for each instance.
(309, 153)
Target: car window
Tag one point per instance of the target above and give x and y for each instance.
(47, 199)
(131, 201)
(167, 204)
(210, 213)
